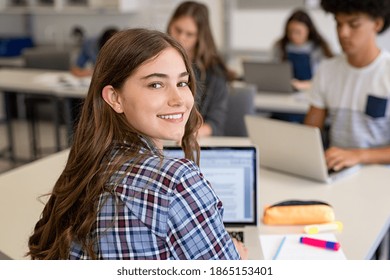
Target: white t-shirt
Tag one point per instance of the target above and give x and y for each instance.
(357, 100)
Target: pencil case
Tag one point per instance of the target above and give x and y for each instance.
(298, 212)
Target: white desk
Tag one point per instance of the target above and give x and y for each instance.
(37, 81)
(278, 102)
(17, 61)
(282, 102)
(20, 190)
(47, 83)
(360, 201)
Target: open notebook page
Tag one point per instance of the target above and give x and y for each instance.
(292, 249)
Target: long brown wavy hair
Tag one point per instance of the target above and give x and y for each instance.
(314, 36)
(206, 53)
(71, 211)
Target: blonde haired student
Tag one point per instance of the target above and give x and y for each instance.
(190, 26)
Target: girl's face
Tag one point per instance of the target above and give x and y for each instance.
(297, 32)
(156, 98)
(185, 31)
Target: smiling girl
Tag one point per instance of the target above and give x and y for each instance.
(118, 196)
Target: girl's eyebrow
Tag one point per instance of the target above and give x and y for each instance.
(184, 74)
(161, 75)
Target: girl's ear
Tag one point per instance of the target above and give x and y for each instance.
(112, 98)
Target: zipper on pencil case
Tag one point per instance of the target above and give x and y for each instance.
(299, 202)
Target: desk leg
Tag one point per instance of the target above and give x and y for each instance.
(31, 117)
(55, 103)
(73, 107)
(68, 119)
(9, 150)
(33, 101)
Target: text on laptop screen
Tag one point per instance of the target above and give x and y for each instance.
(231, 172)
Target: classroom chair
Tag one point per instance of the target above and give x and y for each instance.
(240, 103)
(50, 59)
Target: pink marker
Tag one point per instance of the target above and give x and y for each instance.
(320, 243)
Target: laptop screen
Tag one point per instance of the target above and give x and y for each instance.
(232, 173)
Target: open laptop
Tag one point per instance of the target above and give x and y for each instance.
(292, 148)
(233, 174)
(269, 76)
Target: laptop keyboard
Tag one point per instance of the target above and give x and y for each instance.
(239, 235)
(332, 171)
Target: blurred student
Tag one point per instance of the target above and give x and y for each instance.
(84, 65)
(118, 196)
(78, 36)
(86, 58)
(190, 26)
(303, 46)
(352, 90)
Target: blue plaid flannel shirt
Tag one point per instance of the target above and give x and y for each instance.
(159, 210)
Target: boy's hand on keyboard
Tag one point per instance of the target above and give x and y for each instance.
(337, 158)
(242, 250)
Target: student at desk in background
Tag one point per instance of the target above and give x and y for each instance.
(352, 90)
(190, 26)
(88, 53)
(118, 196)
(85, 62)
(303, 46)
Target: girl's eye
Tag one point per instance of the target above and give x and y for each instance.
(155, 85)
(182, 84)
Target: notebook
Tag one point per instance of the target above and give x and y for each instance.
(233, 174)
(292, 148)
(292, 249)
(269, 76)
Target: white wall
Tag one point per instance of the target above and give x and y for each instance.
(216, 19)
(13, 25)
(56, 28)
(266, 26)
(384, 40)
(259, 29)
